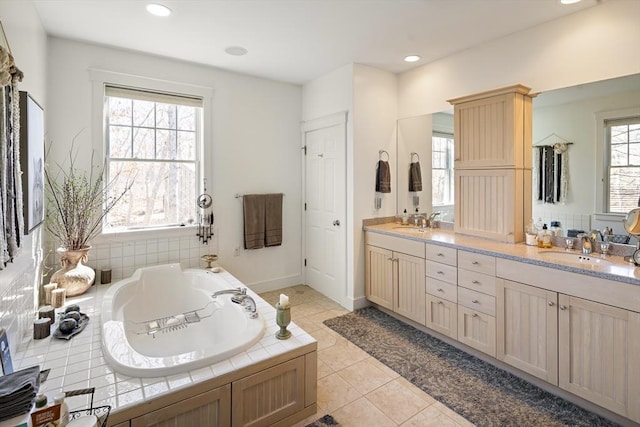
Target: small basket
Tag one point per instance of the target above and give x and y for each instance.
(101, 412)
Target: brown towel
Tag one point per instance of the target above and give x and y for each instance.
(254, 221)
(415, 177)
(383, 177)
(273, 219)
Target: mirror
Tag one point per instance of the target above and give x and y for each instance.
(632, 222)
(567, 112)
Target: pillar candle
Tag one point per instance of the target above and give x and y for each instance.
(58, 297)
(47, 292)
(284, 300)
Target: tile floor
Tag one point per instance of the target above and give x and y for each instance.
(356, 389)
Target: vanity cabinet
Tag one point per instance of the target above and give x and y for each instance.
(598, 353)
(395, 275)
(527, 325)
(476, 301)
(441, 290)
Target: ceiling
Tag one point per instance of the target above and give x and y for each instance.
(298, 40)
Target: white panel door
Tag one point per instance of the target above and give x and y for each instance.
(325, 219)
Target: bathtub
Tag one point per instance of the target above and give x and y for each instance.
(163, 320)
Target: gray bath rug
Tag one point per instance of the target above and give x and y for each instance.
(327, 420)
(477, 390)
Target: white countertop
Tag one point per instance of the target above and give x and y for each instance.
(78, 363)
(617, 269)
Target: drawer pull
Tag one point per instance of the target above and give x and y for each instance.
(563, 307)
(475, 282)
(475, 301)
(550, 303)
(440, 302)
(440, 272)
(474, 315)
(475, 263)
(440, 254)
(440, 290)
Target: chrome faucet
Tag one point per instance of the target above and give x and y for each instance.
(236, 291)
(248, 303)
(589, 240)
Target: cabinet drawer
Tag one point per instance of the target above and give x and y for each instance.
(443, 272)
(477, 281)
(398, 244)
(477, 262)
(442, 254)
(442, 289)
(477, 301)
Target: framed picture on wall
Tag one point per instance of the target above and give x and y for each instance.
(32, 160)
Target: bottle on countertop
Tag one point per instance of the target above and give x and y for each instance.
(531, 234)
(405, 218)
(545, 238)
(64, 409)
(556, 229)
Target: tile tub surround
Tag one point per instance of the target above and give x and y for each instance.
(79, 362)
(618, 270)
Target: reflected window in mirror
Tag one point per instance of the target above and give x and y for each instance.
(623, 164)
(442, 169)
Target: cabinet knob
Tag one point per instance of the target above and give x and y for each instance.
(389, 259)
(551, 303)
(474, 315)
(563, 307)
(440, 302)
(440, 290)
(475, 282)
(440, 272)
(475, 301)
(475, 263)
(440, 254)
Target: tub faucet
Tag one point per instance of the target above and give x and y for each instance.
(236, 291)
(247, 302)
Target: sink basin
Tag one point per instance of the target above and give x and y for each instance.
(411, 229)
(574, 258)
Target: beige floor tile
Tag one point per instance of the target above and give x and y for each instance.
(308, 325)
(327, 338)
(339, 356)
(324, 369)
(384, 368)
(398, 401)
(334, 392)
(430, 417)
(459, 419)
(362, 413)
(305, 310)
(365, 375)
(415, 390)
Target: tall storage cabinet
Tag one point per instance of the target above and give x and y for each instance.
(493, 163)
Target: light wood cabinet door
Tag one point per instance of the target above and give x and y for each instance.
(527, 329)
(269, 396)
(409, 300)
(493, 129)
(379, 276)
(598, 348)
(477, 330)
(212, 408)
(442, 316)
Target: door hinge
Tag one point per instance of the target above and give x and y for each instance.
(305, 150)
(305, 206)
(305, 262)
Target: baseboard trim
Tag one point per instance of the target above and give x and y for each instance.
(272, 285)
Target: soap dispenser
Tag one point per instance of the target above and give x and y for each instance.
(545, 238)
(405, 218)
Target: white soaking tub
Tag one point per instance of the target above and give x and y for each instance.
(163, 320)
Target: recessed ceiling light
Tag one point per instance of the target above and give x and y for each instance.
(569, 1)
(411, 58)
(236, 50)
(158, 9)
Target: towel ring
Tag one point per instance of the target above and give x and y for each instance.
(381, 152)
(415, 154)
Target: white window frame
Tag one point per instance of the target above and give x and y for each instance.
(602, 160)
(450, 161)
(101, 78)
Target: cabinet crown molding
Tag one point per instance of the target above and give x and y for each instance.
(517, 89)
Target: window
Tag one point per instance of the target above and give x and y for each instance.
(442, 169)
(623, 164)
(156, 138)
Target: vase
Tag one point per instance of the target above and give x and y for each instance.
(74, 276)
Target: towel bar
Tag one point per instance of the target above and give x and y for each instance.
(239, 196)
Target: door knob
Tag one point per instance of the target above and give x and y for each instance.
(336, 222)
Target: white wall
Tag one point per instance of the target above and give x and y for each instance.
(255, 140)
(374, 128)
(19, 280)
(594, 44)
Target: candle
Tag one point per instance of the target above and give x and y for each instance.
(284, 300)
(58, 297)
(47, 291)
